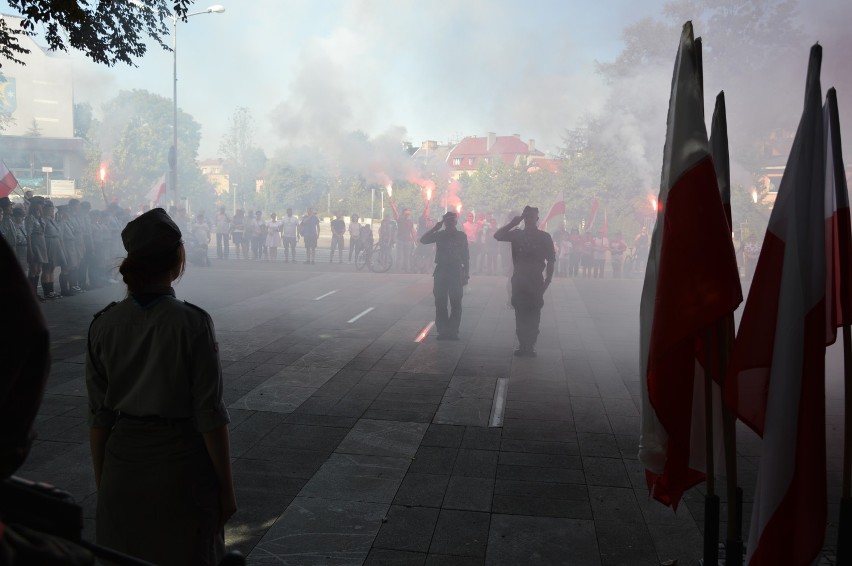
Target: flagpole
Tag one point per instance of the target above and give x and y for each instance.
(844, 540)
(711, 500)
(734, 540)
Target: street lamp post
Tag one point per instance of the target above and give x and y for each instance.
(216, 9)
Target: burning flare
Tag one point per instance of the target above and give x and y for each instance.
(390, 190)
(458, 208)
(428, 194)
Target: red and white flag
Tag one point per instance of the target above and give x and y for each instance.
(691, 282)
(838, 242)
(776, 381)
(8, 182)
(555, 210)
(157, 191)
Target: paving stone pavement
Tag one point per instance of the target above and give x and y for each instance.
(354, 444)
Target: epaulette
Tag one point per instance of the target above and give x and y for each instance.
(103, 310)
(196, 307)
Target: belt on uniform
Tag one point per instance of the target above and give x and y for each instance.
(152, 418)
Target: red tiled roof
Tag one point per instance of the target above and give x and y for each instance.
(552, 165)
(508, 148)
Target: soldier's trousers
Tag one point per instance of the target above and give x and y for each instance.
(527, 300)
(448, 287)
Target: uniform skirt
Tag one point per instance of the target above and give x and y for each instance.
(158, 499)
(38, 248)
(72, 259)
(55, 252)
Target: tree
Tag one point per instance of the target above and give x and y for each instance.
(34, 130)
(134, 139)
(243, 159)
(6, 108)
(83, 120)
(106, 32)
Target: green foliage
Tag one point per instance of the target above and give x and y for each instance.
(134, 139)
(83, 120)
(106, 32)
(34, 131)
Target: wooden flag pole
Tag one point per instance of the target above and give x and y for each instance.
(734, 541)
(711, 500)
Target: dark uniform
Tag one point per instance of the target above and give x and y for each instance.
(154, 380)
(532, 252)
(451, 274)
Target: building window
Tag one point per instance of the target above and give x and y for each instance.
(470, 160)
(457, 160)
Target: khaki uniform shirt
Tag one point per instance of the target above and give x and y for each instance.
(154, 356)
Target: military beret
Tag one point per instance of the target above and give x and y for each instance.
(151, 234)
(18, 211)
(449, 214)
(529, 210)
(37, 200)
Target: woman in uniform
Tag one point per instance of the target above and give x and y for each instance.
(158, 423)
(34, 225)
(69, 245)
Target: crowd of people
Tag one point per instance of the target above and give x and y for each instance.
(72, 244)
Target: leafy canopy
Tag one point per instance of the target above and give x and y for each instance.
(108, 32)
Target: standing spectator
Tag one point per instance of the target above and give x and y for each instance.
(600, 249)
(251, 234)
(238, 232)
(223, 234)
(387, 236)
(532, 253)
(158, 424)
(338, 229)
(587, 254)
(71, 261)
(289, 235)
(6, 225)
(75, 216)
(617, 247)
(201, 233)
(451, 274)
(258, 241)
(354, 234)
(405, 241)
(563, 249)
(489, 246)
(85, 271)
(273, 236)
(55, 253)
(15, 234)
(575, 253)
(471, 230)
(37, 246)
(310, 231)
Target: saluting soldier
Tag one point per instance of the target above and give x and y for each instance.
(532, 253)
(452, 271)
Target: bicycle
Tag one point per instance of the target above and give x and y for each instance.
(421, 258)
(378, 258)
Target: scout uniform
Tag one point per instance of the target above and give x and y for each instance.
(452, 264)
(154, 378)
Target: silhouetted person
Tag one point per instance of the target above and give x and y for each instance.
(452, 271)
(158, 423)
(532, 253)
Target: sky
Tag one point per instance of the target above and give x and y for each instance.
(436, 70)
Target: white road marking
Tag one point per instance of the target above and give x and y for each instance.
(424, 332)
(356, 317)
(326, 295)
(499, 404)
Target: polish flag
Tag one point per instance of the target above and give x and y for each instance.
(691, 282)
(838, 241)
(157, 191)
(776, 381)
(721, 155)
(555, 210)
(8, 182)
